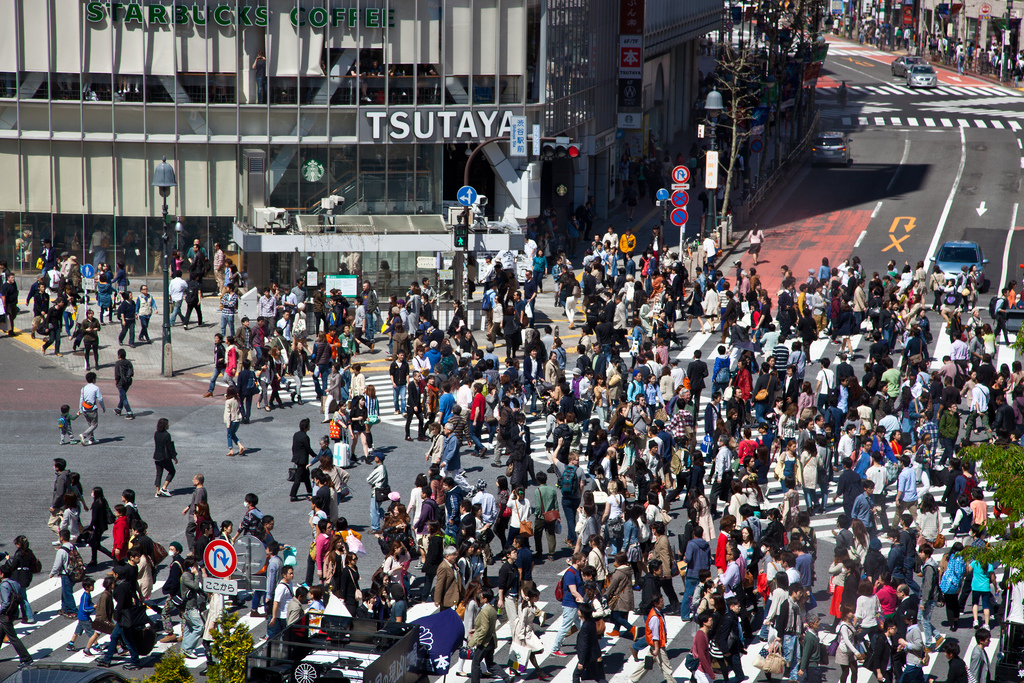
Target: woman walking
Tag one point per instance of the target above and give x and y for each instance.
(165, 457)
(232, 419)
(102, 518)
(756, 239)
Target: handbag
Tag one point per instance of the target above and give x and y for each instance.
(940, 541)
(761, 395)
(916, 358)
(525, 526)
(691, 662)
(552, 516)
(381, 494)
(293, 473)
(335, 432)
(372, 419)
(633, 552)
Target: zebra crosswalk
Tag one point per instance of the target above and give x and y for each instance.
(828, 92)
(919, 121)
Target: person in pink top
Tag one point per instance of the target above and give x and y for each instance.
(887, 598)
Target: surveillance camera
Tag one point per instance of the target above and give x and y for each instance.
(481, 200)
(178, 227)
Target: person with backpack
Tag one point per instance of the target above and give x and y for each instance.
(570, 484)
(193, 297)
(10, 603)
(24, 564)
(67, 564)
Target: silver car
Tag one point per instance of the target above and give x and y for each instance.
(921, 76)
(831, 148)
(901, 65)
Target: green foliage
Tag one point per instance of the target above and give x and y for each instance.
(232, 644)
(171, 669)
(1003, 466)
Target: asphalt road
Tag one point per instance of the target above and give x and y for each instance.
(900, 172)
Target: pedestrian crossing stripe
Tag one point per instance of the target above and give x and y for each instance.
(830, 91)
(914, 122)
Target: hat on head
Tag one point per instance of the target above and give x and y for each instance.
(302, 307)
(433, 344)
(395, 496)
(660, 424)
(811, 271)
(175, 545)
(64, 254)
(481, 484)
(577, 372)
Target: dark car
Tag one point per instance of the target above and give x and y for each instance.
(900, 65)
(63, 673)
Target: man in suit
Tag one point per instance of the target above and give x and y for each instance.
(533, 371)
(880, 653)
(301, 453)
(957, 670)
(448, 584)
(696, 371)
(483, 639)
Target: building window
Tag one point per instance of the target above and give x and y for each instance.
(156, 89)
(456, 90)
(510, 90)
(428, 85)
(284, 90)
(97, 87)
(400, 84)
(67, 86)
(222, 88)
(194, 86)
(8, 84)
(372, 76)
(35, 85)
(130, 88)
(483, 89)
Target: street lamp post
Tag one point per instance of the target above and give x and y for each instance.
(713, 106)
(164, 180)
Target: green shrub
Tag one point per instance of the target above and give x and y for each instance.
(171, 669)
(232, 644)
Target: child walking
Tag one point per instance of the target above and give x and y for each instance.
(64, 424)
(85, 611)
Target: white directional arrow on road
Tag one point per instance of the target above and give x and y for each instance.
(981, 209)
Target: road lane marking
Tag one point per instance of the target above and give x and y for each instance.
(847, 121)
(896, 121)
(862, 236)
(947, 123)
(1006, 248)
(874, 213)
(879, 121)
(930, 123)
(964, 123)
(863, 121)
(903, 160)
(998, 124)
(1019, 145)
(949, 200)
(1015, 126)
(896, 242)
(980, 123)
(912, 122)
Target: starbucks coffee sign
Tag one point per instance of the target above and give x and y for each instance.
(312, 171)
(201, 14)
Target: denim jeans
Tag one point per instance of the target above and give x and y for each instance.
(67, 596)
(924, 617)
(144, 328)
(323, 372)
(791, 653)
(398, 394)
(570, 617)
(233, 435)
(474, 436)
(912, 673)
(811, 498)
(213, 380)
(569, 508)
(176, 311)
(689, 585)
(26, 606)
(191, 630)
(122, 403)
(376, 513)
(531, 393)
(120, 634)
(227, 321)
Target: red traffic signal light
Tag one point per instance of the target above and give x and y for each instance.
(559, 150)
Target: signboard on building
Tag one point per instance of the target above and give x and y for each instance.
(225, 14)
(631, 56)
(630, 120)
(347, 285)
(631, 17)
(630, 93)
(421, 125)
(517, 137)
(711, 170)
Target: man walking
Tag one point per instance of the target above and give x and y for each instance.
(177, 288)
(483, 638)
(126, 314)
(124, 372)
(90, 403)
(62, 568)
(399, 379)
(572, 596)
(193, 299)
(228, 309)
(301, 453)
(126, 599)
(657, 638)
(198, 496)
(144, 307)
(219, 363)
(10, 600)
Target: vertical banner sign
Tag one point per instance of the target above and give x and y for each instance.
(536, 139)
(631, 56)
(517, 137)
(711, 170)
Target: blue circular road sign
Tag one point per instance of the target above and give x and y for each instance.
(88, 270)
(662, 194)
(679, 216)
(680, 198)
(466, 195)
(756, 145)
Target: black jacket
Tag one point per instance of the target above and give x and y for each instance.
(649, 588)
(301, 450)
(163, 447)
(728, 637)
(957, 672)
(696, 371)
(588, 649)
(879, 653)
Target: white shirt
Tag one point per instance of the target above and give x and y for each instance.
(530, 248)
(282, 596)
(709, 247)
(464, 397)
(420, 363)
(979, 398)
(826, 380)
(177, 287)
(846, 445)
(876, 474)
(678, 376)
(488, 506)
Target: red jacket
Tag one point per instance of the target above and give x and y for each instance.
(120, 531)
(744, 384)
(721, 561)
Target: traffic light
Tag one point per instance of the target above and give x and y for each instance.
(461, 231)
(561, 148)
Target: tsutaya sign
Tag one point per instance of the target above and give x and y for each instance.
(201, 14)
(466, 125)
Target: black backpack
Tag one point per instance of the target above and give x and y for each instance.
(14, 606)
(193, 292)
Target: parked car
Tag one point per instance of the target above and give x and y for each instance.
(901, 65)
(921, 76)
(953, 256)
(63, 673)
(831, 148)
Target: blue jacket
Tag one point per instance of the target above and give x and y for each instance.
(434, 356)
(445, 405)
(862, 511)
(450, 459)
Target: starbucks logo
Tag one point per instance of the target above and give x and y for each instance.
(312, 171)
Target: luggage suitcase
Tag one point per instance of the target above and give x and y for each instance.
(342, 455)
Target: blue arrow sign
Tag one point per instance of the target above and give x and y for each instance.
(466, 195)
(88, 270)
(662, 194)
(221, 559)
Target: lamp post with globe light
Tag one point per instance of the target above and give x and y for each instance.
(164, 180)
(713, 106)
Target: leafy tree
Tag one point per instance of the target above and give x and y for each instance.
(1003, 465)
(232, 644)
(171, 669)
